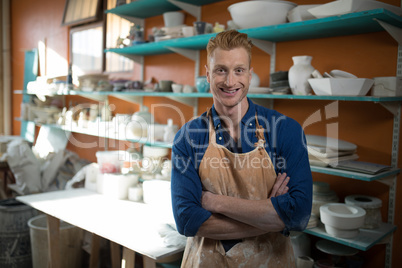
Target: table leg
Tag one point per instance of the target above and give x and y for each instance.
(94, 257)
(53, 237)
(128, 260)
(115, 254)
(148, 262)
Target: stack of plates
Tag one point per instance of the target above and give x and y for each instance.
(324, 151)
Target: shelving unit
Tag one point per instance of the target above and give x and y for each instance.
(265, 38)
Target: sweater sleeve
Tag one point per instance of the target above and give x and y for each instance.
(294, 208)
(186, 187)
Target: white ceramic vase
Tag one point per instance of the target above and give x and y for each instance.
(255, 80)
(299, 73)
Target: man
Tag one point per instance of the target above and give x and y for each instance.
(231, 192)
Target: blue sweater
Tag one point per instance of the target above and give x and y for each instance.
(285, 144)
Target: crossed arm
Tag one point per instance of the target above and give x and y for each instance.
(235, 218)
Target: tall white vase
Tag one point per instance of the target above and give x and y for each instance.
(299, 73)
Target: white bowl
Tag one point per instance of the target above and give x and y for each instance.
(341, 86)
(300, 13)
(251, 14)
(340, 7)
(342, 220)
(173, 18)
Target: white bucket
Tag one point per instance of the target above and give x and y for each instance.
(70, 243)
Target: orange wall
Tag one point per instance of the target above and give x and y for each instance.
(368, 125)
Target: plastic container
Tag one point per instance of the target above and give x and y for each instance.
(70, 243)
(111, 161)
(116, 185)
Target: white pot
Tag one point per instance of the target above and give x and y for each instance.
(255, 80)
(299, 74)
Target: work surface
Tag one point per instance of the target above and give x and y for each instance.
(130, 224)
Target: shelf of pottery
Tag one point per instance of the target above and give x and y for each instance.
(323, 157)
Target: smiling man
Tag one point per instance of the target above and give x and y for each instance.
(241, 179)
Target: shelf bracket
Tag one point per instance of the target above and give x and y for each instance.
(269, 103)
(138, 59)
(135, 99)
(94, 96)
(191, 54)
(393, 107)
(389, 181)
(266, 46)
(269, 48)
(192, 102)
(135, 20)
(189, 8)
(394, 31)
(188, 53)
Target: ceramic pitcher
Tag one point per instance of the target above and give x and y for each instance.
(299, 73)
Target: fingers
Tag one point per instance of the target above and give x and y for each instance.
(283, 189)
(280, 186)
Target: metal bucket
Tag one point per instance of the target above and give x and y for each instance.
(15, 245)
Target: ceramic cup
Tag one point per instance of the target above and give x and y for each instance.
(304, 262)
(200, 27)
(202, 84)
(177, 88)
(165, 85)
(188, 89)
(187, 31)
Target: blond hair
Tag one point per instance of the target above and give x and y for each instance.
(228, 40)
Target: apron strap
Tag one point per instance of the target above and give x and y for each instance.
(259, 133)
(212, 135)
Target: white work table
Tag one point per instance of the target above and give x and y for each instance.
(130, 224)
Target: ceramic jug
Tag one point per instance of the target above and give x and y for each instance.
(299, 73)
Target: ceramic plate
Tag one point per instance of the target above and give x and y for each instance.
(259, 90)
(330, 143)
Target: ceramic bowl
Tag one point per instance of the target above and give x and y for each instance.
(341, 86)
(251, 14)
(177, 88)
(342, 220)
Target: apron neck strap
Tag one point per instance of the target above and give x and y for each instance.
(259, 133)
(212, 136)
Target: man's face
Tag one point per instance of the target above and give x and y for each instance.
(229, 75)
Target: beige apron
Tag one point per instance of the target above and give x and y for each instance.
(248, 176)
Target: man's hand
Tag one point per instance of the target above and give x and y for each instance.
(280, 187)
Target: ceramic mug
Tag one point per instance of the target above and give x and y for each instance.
(165, 85)
(187, 31)
(200, 27)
